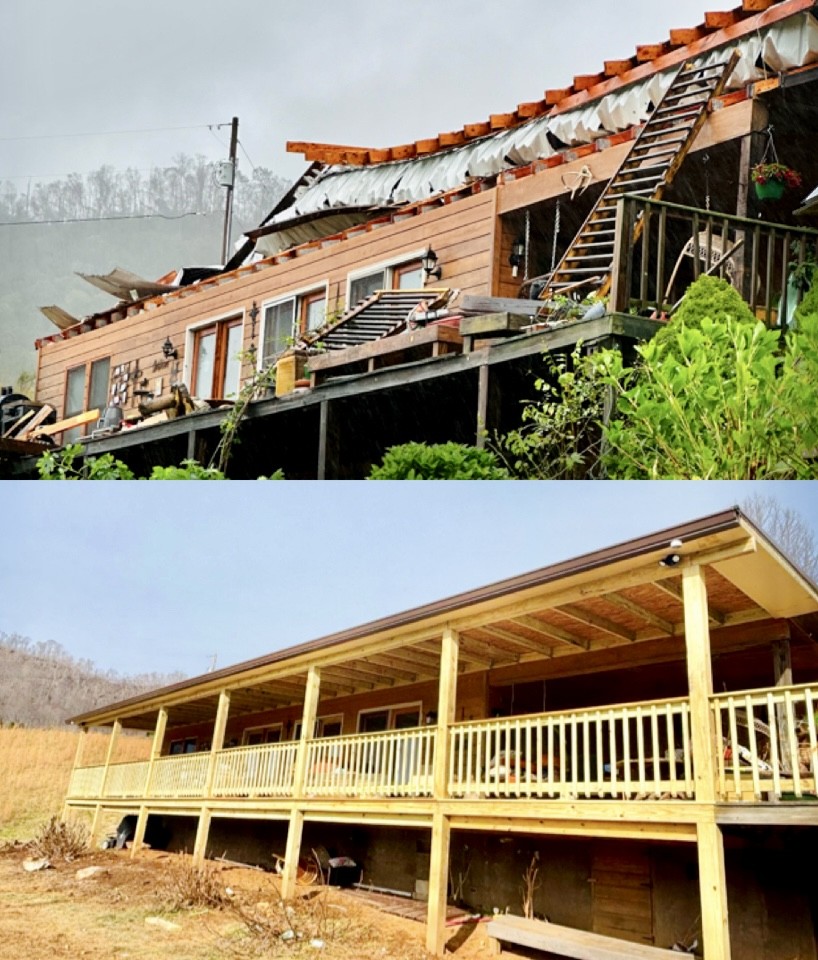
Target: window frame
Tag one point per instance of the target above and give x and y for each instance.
(87, 382)
(265, 729)
(320, 722)
(393, 709)
(221, 324)
(387, 267)
(300, 298)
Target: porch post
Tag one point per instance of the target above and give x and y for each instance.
(216, 744)
(709, 840)
(116, 729)
(156, 750)
(78, 754)
(441, 826)
(290, 872)
(202, 833)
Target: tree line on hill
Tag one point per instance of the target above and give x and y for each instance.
(188, 185)
(41, 684)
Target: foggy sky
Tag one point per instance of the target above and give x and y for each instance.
(359, 72)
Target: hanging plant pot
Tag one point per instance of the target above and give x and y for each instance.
(771, 190)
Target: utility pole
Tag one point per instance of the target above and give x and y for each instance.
(230, 184)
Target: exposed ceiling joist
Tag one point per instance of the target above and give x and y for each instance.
(601, 623)
(666, 626)
(535, 646)
(552, 632)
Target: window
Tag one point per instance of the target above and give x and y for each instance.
(86, 388)
(288, 318)
(255, 735)
(324, 727)
(187, 745)
(401, 717)
(216, 362)
(407, 275)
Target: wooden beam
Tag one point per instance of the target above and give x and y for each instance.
(718, 20)
(446, 708)
(700, 683)
(713, 892)
(638, 610)
(552, 632)
(438, 885)
(601, 623)
(615, 68)
(452, 139)
(116, 730)
(473, 130)
(430, 145)
(139, 830)
(672, 590)
(391, 661)
(555, 96)
(68, 424)
(502, 121)
(651, 51)
(756, 6)
(535, 646)
(585, 81)
(217, 740)
(686, 35)
(534, 108)
(202, 834)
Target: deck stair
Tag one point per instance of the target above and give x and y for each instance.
(651, 164)
(382, 314)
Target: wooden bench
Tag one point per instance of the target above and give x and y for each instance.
(568, 942)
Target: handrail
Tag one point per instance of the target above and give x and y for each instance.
(755, 255)
(264, 770)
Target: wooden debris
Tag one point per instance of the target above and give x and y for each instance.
(68, 424)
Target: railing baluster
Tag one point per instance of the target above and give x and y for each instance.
(734, 745)
(774, 753)
(792, 740)
(655, 749)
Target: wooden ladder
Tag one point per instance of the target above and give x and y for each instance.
(651, 164)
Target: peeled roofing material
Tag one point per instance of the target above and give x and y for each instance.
(783, 46)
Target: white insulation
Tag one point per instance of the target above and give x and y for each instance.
(783, 46)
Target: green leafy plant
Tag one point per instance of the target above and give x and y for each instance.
(776, 173)
(253, 389)
(68, 464)
(443, 461)
(561, 432)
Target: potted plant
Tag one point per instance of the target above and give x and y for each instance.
(772, 179)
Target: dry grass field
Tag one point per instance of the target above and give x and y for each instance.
(35, 766)
(149, 906)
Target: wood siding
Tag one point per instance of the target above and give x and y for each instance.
(462, 234)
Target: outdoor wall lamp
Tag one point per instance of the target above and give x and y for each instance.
(431, 268)
(516, 257)
(672, 559)
(170, 352)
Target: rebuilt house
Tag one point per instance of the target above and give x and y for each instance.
(425, 281)
(639, 722)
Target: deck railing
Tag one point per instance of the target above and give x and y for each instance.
(768, 748)
(86, 782)
(634, 752)
(392, 764)
(258, 771)
(678, 244)
(127, 779)
(183, 776)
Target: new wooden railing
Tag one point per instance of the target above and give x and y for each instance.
(127, 779)
(393, 764)
(678, 244)
(640, 751)
(768, 747)
(183, 776)
(86, 782)
(259, 771)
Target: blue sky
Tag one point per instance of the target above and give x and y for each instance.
(163, 576)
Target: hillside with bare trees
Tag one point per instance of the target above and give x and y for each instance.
(41, 684)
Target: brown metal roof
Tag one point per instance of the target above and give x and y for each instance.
(694, 530)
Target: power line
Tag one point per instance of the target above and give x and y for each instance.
(110, 133)
(137, 216)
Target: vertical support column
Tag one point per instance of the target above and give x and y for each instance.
(441, 827)
(290, 871)
(621, 267)
(782, 672)
(713, 892)
(116, 729)
(710, 844)
(699, 682)
(217, 742)
(202, 833)
(78, 755)
(482, 405)
(156, 750)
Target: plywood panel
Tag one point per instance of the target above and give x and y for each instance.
(622, 894)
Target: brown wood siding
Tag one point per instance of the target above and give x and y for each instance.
(461, 234)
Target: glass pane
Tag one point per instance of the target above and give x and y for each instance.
(406, 719)
(278, 329)
(98, 391)
(374, 722)
(205, 358)
(363, 287)
(232, 367)
(331, 729)
(75, 391)
(409, 277)
(315, 310)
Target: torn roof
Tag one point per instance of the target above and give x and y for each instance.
(125, 285)
(781, 38)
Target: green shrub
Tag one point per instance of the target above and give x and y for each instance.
(442, 461)
(706, 298)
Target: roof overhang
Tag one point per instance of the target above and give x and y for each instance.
(619, 595)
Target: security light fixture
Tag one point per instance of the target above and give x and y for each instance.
(170, 352)
(431, 268)
(516, 257)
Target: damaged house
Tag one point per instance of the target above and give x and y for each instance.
(639, 722)
(410, 292)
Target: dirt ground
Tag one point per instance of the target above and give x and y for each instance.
(125, 911)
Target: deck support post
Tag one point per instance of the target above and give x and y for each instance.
(116, 730)
(202, 833)
(713, 892)
(78, 755)
(156, 750)
(710, 844)
(441, 826)
(289, 873)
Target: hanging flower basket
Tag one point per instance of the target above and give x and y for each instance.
(772, 179)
